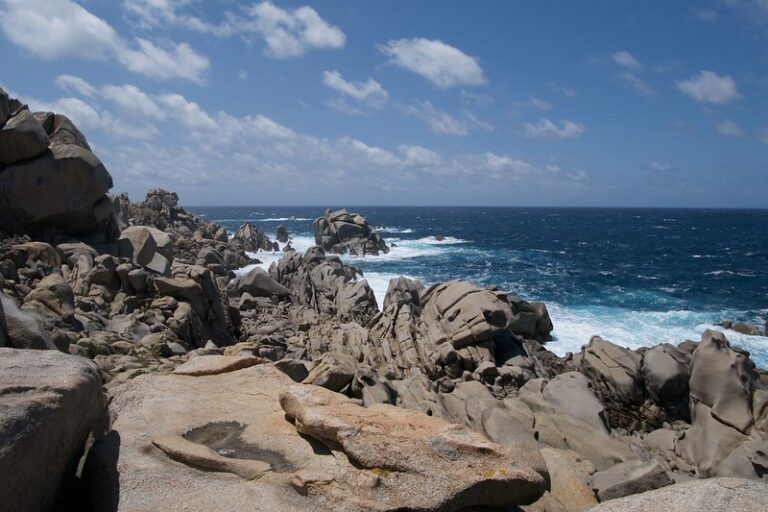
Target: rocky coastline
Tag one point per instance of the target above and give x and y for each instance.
(139, 371)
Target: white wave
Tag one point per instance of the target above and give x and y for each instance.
(634, 329)
(448, 240)
(385, 229)
(719, 273)
(300, 243)
(282, 219)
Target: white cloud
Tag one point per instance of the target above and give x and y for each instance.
(762, 135)
(443, 65)
(709, 87)
(177, 61)
(476, 121)
(369, 93)
(133, 100)
(188, 113)
(290, 33)
(438, 121)
(626, 60)
(419, 156)
(729, 128)
(54, 29)
(547, 129)
(659, 166)
(75, 84)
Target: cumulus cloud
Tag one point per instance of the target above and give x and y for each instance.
(54, 29)
(369, 94)
(547, 129)
(133, 100)
(437, 120)
(443, 65)
(709, 87)
(419, 156)
(729, 128)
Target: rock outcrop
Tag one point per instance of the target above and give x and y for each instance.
(342, 232)
(335, 456)
(52, 185)
(249, 238)
(50, 403)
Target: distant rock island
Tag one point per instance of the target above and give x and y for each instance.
(143, 368)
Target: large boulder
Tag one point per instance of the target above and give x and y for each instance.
(249, 238)
(22, 329)
(259, 283)
(148, 247)
(630, 477)
(61, 191)
(413, 452)
(722, 385)
(712, 495)
(21, 138)
(342, 232)
(49, 405)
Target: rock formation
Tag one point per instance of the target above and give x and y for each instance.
(441, 398)
(342, 232)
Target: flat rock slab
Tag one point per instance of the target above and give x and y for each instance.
(50, 402)
(223, 443)
(215, 364)
(423, 462)
(710, 495)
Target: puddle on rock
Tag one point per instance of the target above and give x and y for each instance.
(224, 437)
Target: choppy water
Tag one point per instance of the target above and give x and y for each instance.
(635, 276)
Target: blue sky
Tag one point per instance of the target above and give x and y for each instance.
(408, 103)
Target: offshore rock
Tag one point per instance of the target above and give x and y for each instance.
(342, 232)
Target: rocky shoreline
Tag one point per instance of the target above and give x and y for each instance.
(139, 372)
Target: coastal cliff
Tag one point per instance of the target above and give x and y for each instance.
(205, 387)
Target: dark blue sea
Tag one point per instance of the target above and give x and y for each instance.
(634, 276)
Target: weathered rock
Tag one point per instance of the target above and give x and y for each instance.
(341, 232)
(148, 247)
(568, 481)
(50, 402)
(21, 138)
(259, 283)
(214, 365)
(531, 319)
(249, 238)
(61, 130)
(712, 495)
(23, 329)
(61, 191)
(413, 450)
(628, 478)
(55, 294)
(281, 233)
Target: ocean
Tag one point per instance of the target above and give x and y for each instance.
(636, 277)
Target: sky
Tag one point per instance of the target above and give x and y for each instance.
(356, 102)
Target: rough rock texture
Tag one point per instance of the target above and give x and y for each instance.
(233, 423)
(148, 247)
(342, 232)
(712, 495)
(259, 283)
(325, 285)
(249, 238)
(628, 478)
(49, 404)
(415, 452)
